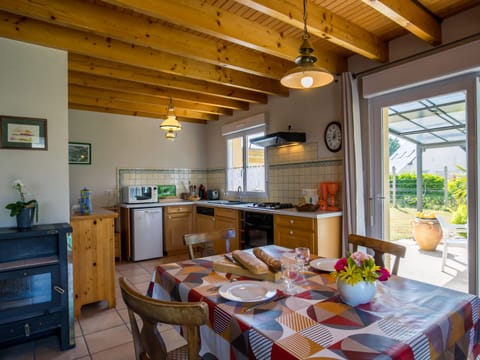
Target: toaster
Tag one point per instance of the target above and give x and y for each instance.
(213, 195)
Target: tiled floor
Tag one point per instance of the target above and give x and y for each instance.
(100, 333)
(104, 334)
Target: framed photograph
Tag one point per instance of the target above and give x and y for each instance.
(23, 133)
(79, 153)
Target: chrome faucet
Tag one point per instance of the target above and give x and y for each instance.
(239, 192)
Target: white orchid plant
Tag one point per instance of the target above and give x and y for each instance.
(16, 207)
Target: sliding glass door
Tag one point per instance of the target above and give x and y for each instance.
(424, 179)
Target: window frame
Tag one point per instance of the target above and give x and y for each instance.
(246, 194)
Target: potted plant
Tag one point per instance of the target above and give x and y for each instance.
(356, 278)
(24, 210)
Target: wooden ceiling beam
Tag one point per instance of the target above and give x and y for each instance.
(75, 106)
(100, 67)
(137, 107)
(410, 16)
(323, 24)
(101, 82)
(161, 103)
(137, 30)
(219, 23)
(34, 31)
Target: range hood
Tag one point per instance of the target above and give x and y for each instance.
(279, 138)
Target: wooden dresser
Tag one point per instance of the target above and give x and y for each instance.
(93, 258)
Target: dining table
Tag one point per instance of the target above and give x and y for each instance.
(406, 319)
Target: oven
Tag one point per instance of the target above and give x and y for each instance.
(258, 229)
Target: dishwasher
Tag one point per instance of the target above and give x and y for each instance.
(147, 233)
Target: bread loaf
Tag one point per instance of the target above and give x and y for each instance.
(274, 264)
(250, 262)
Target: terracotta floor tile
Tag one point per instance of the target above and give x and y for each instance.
(107, 339)
(102, 320)
(121, 352)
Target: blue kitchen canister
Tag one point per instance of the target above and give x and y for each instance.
(85, 202)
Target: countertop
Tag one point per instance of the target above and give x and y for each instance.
(319, 214)
(96, 213)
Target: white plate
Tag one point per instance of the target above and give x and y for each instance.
(246, 291)
(324, 264)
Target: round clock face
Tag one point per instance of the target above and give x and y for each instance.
(333, 136)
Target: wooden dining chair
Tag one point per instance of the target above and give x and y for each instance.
(150, 343)
(380, 248)
(206, 243)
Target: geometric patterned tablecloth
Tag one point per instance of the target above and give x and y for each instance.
(406, 319)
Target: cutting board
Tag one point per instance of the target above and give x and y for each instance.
(226, 266)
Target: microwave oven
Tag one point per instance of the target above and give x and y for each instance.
(140, 194)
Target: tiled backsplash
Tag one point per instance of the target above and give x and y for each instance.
(291, 169)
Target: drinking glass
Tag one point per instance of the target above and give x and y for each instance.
(289, 272)
(302, 255)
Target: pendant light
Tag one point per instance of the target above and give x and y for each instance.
(171, 124)
(306, 75)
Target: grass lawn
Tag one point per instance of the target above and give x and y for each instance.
(401, 218)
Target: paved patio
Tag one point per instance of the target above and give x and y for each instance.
(425, 266)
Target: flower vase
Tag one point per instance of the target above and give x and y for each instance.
(360, 293)
(25, 218)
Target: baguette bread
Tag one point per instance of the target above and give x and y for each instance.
(274, 264)
(250, 262)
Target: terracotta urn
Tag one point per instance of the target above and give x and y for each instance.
(427, 233)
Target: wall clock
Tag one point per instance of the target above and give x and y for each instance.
(333, 136)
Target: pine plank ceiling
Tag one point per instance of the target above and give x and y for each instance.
(212, 57)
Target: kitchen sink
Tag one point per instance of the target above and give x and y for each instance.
(228, 202)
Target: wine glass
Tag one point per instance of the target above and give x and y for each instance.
(302, 255)
(289, 271)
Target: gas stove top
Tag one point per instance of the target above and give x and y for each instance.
(272, 205)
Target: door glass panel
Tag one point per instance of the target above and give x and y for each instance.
(426, 171)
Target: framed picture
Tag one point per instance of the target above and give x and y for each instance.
(23, 133)
(79, 153)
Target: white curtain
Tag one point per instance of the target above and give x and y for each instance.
(353, 194)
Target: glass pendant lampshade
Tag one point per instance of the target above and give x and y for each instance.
(170, 134)
(171, 122)
(306, 75)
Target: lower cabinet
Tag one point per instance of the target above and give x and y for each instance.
(321, 235)
(178, 221)
(227, 219)
(93, 258)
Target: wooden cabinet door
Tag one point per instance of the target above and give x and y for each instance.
(204, 223)
(93, 260)
(176, 226)
(227, 219)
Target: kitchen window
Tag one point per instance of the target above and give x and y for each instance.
(246, 163)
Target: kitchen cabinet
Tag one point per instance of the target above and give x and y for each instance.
(218, 219)
(322, 235)
(118, 245)
(227, 219)
(178, 221)
(93, 258)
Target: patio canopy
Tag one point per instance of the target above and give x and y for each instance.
(434, 122)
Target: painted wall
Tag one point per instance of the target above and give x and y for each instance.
(34, 84)
(306, 111)
(120, 141)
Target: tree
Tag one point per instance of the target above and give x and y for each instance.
(393, 145)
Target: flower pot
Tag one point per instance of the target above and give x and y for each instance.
(427, 233)
(360, 293)
(25, 218)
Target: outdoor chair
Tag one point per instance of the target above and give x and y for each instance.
(451, 238)
(379, 248)
(152, 344)
(204, 244)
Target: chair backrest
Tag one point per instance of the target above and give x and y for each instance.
(380, 248)
(204, 244)
(148, 340)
